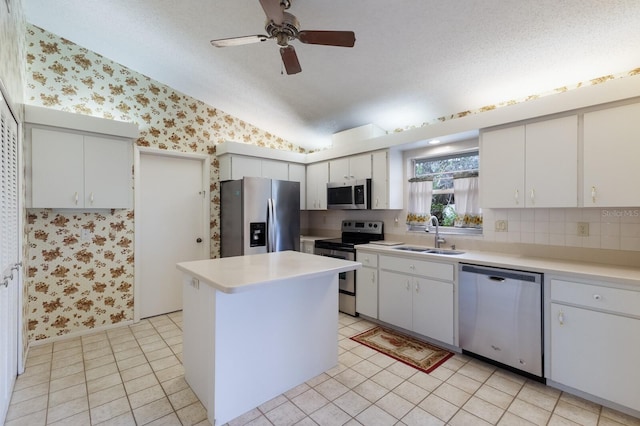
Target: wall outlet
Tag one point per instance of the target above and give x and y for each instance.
(502, 226)
(85, 235)
(583, 229)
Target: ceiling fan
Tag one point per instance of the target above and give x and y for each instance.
(284, 27)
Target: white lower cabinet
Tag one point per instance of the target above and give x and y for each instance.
(367, 284)
(417, 295)
(367, 292)
(595, 346)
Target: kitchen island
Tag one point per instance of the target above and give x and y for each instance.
(256, 326)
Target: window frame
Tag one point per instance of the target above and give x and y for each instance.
(445, 229)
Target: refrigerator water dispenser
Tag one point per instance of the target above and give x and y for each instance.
(258, 234)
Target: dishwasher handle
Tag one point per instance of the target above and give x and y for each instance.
(497, 274)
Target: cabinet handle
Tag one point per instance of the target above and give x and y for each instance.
(91, 198)
(517, 196)
(75, 198)
(533, 196)
(417, 287)
(412, 267)
(377, 201)
(407, 285)
(593, 194)
(597, 297)
(561, 318)
(373, 277)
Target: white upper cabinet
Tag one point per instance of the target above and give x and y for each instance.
(611, 157)
(317, 179)
(275, 170)
(347, 168)
(533, 165)
(386, 180)
(72, 170)
(502, 168)
(551, 163)
(234, 167)
(298, 173)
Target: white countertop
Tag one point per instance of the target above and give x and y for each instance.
(313, 238)
(621, 274)
(243, 273)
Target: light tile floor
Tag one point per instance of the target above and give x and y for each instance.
(134, 376)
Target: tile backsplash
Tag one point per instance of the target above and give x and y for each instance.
(606, 228)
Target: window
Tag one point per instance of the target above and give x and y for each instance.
(447, 188)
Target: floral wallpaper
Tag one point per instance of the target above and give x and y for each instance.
(12, 72)
(74, 285)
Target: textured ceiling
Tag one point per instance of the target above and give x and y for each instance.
(414, 60)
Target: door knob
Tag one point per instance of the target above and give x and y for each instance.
(199, 240)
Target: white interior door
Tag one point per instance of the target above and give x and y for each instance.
(172, 205)
(9, 255)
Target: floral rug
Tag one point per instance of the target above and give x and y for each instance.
(416, 353)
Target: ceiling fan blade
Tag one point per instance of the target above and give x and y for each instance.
(290, 60)
(273, 10)
(237, 41)
(328, 38)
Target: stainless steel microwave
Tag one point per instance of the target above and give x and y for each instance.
(349, 195)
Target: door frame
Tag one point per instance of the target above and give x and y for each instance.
(206, 208)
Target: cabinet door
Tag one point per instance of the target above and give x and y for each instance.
(433, 309)
(596, 353)
(108, 179)
(551, 168)
(502, 163)
(57, 169)
(367, 292)
(394, 303)
(611, 156)
(298, 173)
(245, 166)
(380, 181)
(360, 166)
(339, 170)
(317, 178)
(275, 170)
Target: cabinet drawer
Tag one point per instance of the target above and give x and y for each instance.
(367, 259)
(593, 296)
(437, 270)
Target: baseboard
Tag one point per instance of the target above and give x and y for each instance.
(76, 334)
(593, 398)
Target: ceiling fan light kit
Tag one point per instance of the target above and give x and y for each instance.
(284, 28)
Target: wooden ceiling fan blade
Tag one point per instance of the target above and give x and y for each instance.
(290, 60)
(238, 41)
(273, 10)
(328, 38)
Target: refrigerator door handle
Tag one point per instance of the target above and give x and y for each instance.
(271, 226)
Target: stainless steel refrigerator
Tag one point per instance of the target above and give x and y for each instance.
(259, 215)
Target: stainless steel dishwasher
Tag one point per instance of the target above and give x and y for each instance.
(500, 316)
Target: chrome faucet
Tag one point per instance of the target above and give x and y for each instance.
(438, 240)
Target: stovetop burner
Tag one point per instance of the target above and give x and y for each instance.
(353, 233)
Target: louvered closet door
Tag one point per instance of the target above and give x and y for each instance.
(9, 255)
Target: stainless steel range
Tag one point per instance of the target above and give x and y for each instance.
(353, 232)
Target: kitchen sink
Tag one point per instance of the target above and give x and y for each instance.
(429, 251)
(408, 248)
(444, 251)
